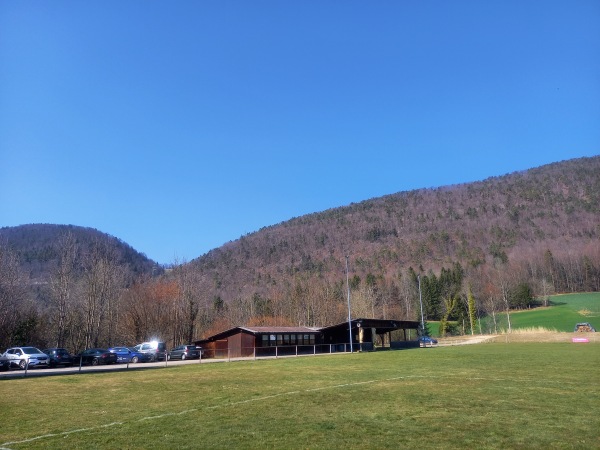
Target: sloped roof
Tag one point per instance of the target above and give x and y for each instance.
(259, 330)
(382, 325)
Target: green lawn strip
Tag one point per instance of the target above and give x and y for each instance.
(556, 318)
(589, 301)
(565, 311)
(486, 396)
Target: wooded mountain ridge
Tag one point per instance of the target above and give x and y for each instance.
(36, 247)
(514, 217)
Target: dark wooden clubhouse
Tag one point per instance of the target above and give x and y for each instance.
(367, 335)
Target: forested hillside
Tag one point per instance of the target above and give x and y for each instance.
(61, 284)
(536, 230)
(475, 249)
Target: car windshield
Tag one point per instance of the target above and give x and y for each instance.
(31, 350)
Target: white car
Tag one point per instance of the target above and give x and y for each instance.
(26, 356)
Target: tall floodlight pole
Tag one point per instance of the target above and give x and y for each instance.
(421, 302)
(349, 316)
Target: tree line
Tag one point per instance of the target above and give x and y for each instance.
(91, 299)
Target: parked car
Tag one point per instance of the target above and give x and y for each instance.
(427, 341)
(184, 352)
(156, 350)
(58, 357)
(129, 355)
(21, 357)
(4, 363)
(96, 356)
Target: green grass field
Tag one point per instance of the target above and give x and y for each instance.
(564, 312)
(474, 396)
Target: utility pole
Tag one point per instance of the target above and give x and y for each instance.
(349, 316)
(421, 302)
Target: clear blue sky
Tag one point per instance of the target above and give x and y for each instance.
(180, 126)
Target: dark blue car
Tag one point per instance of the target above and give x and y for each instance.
(427, 341)
(95, 356)
(58, 357)
(129, 355)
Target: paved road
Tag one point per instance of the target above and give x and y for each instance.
(37, 372)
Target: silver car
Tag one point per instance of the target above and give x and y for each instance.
(26, 356)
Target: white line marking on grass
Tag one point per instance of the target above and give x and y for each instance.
(341, 385)
(241, 402)
(63, 433)
(267, 397)
(160, 416)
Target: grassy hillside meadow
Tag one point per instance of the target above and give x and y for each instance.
(564, 312)
(486, 396)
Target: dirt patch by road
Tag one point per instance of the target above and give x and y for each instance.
(466, 340)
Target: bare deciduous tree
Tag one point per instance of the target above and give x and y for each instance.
(102, 281)
(12, 293)
(187, 306)
(62, 287)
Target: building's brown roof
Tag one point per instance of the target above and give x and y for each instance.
(280, 329)
(382, 325)
(258, 330)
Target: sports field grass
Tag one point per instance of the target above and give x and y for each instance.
(474, 396)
